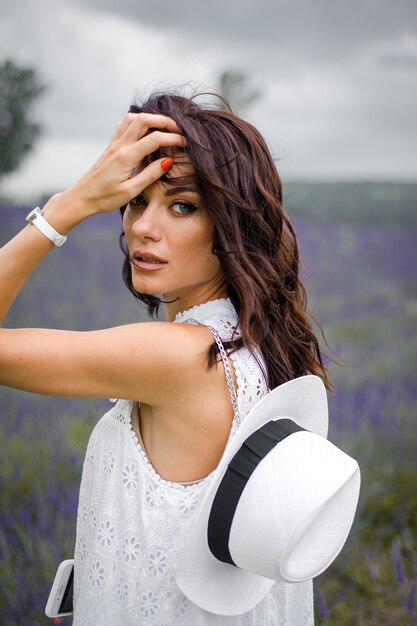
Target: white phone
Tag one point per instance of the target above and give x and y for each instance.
(60, 598)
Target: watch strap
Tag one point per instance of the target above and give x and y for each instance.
(36, 218)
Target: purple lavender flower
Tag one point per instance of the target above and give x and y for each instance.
(411, 600)
(398, 564)
(320, 602)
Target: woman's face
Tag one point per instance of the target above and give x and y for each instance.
(169, 237)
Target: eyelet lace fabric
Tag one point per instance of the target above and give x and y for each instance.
(132, 524)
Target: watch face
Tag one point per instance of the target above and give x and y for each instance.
(35, 218)
(32, 214)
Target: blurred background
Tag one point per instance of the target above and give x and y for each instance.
(333, 88)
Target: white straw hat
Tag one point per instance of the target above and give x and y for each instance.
(279, 506)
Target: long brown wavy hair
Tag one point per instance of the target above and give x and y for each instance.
(253, 237)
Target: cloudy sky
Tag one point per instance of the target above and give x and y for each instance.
(338, 80)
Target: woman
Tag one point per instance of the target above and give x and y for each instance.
(203, 225)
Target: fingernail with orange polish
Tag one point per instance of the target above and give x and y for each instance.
(166, 164)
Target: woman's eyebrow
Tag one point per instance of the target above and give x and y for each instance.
(171, 191)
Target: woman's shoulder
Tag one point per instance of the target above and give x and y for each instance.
(174, 359)
(178, 343)
(168, 359)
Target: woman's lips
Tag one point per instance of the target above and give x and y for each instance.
(144, 263)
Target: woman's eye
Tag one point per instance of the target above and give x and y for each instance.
(138, 201)
(180, 207)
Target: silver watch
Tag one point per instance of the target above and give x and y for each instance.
(35, 217)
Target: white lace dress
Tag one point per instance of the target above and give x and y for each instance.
(132, 523)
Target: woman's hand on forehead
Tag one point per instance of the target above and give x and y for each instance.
(114, 179)
(143, 123)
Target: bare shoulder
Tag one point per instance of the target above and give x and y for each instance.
(172, 342)
(182, 349)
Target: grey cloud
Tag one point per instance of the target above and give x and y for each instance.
(399, 60)
(338, 78)
(320, 29)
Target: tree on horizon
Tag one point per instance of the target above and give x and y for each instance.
(233, 85)
(19, 89)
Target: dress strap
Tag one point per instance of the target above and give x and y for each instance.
(229, 377)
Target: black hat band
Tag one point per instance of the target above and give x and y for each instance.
(238, 472)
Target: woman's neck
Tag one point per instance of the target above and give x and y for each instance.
(190, 300)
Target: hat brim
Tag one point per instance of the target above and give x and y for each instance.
(219, 587)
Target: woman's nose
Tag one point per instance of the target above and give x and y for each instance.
(148, 223)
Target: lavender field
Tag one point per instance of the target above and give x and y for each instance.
(361, 279)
